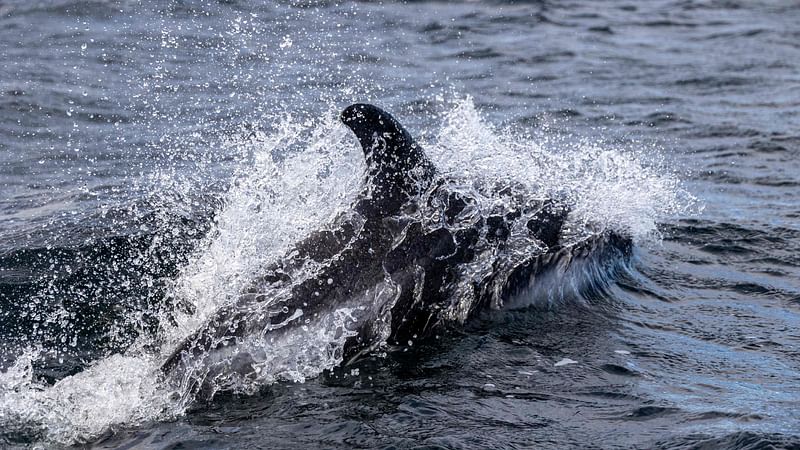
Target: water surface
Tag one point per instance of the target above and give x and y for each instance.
(151, 160)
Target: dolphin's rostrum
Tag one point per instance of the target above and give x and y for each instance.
(413, 254)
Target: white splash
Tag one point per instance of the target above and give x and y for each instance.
(608, 187)
(275, 201)
(115, 390)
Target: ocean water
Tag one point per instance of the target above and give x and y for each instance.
(155, 156)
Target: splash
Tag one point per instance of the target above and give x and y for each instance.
(607, 186)
(115, 390)
(300, 177)
(297, 179)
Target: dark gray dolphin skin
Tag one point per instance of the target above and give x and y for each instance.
(378, 247)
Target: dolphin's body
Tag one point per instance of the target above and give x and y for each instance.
(412, 254)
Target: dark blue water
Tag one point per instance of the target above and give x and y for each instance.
(153, 155)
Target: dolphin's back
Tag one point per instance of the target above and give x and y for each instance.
(415, 250)
(335, 264)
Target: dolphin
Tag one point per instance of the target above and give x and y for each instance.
(414, 254)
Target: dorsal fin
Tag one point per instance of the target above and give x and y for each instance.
(397, 167)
